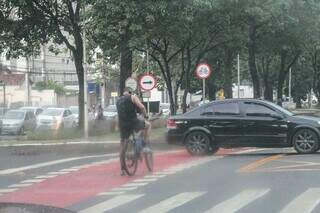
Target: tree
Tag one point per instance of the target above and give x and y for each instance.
(61, 21)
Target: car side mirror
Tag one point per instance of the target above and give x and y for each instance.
(276, 116)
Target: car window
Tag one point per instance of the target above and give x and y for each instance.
(30, 115)
(65, 113)
(39, 111)
(27, 116)
(255, 109)
(222, 109)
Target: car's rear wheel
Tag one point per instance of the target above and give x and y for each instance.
(305, 141)
(197, 143)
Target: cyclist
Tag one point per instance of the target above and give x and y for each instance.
(127, 106)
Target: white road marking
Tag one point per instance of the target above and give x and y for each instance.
(49, 163)
(306, 202)
(20, 185)
(110, 193)
(33, 181)
(172, 202)
(154, 176)
(124, 189)
(165, 173)
(69, 170)
(145, 180)
(237, 202)
(7, 190)
(45, 176)
(134, 184)
(57, 173)
(111, 204)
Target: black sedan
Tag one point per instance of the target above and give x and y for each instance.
(243, 123)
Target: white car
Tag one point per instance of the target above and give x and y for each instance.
(110, 113)
(35, 110)
(56, 118)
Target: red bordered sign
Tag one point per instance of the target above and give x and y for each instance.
(203, 70)
(147, 82)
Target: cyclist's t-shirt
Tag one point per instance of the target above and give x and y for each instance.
(126, 111)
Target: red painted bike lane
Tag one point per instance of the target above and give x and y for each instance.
(74, 187)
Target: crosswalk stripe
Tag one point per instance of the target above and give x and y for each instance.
(33, 181)
(7, 190)
(111, 204)
(306, 202)
(238, 201)
(45, 176)
(172, 202)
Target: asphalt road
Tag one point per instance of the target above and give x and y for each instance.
(240, 180)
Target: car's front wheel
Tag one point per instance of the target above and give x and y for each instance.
(197, 143)
(305, 141)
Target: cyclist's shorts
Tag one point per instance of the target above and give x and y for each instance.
(127, 128)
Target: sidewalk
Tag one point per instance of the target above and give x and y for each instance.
(112, 138)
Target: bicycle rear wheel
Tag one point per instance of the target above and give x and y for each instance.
(148, 157)
(130, 158)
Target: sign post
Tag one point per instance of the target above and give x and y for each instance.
(203, 71)
(147, 82)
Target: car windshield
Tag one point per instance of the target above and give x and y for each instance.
(52, 112)
(281, 109)
(14, 115)
(111, 109)
(74, 110)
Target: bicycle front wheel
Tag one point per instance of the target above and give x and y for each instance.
(130, 158)
(148, 157)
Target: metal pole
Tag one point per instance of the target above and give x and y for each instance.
(290, 84)
(238, 76)
(27, 82)
(203, 90)
(85, 96)
(4, 97)
(148, 101)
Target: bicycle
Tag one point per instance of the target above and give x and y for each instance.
(132, 153)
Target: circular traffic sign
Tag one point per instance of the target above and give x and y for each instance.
(131, 83)
(203, 71)
(147, 82)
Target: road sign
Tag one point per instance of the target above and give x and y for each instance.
(147, 82)
(131, 83)
(114, 94)
(146, 94)
(203, 71)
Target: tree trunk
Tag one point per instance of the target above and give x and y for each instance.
(125, 63)
(80, 73)
(228, 65)
(281, 77)
(252, 59)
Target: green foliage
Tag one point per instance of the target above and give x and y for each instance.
(51, 85)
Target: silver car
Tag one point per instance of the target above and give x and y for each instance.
(36, 110)
(56, 118)
(17, 122)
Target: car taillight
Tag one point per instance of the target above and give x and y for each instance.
(171, 124)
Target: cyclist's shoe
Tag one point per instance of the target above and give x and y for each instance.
(122, 173)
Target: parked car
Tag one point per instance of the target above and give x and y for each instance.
(18, 121)
(110, 113)
(243, 123)
(75, 112)
(56, 119)
(35, 110)
(165, 109)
